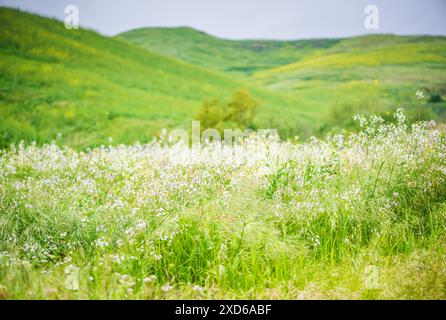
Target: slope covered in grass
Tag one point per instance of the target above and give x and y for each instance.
(367, 74)
(238, 57)
(89, 87)
(333, 78)
(351, 58)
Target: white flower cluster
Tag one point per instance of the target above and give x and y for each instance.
(116, 197)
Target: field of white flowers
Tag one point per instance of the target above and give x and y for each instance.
(356, 215)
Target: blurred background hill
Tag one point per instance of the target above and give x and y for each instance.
(88, 87)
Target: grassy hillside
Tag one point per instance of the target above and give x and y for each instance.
(89, 87)
(333, 78)
(236, 57)
(374, 72)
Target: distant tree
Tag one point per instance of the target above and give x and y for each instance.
(241, 108)
(211, 114)
(237, 113)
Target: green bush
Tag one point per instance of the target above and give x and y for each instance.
(435, 98)
(237, 113)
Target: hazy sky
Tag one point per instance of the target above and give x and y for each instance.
(274, 19)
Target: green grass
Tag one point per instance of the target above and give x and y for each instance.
(236, 57)
(89, 87)
(331, 79)
(358, 216)
(369, 74)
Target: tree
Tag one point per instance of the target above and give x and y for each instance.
(241, 108)
(211, 114)
(237, 113)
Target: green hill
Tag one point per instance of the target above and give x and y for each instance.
(333, 78)
(238, 57)
(374, 73)
(90, 87)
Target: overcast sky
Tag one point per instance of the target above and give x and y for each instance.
(236, 19)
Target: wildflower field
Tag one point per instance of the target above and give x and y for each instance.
(95, 203)
(358, 215)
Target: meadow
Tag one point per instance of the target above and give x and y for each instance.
(89, 88)
(98, 202)
(331, 79)
(353, 216)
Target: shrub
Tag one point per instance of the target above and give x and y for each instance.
(237, 113)
(435, 98)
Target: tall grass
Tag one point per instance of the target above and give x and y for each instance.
(308, 220)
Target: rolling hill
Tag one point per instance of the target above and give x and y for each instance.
(89, 87)
(237, 57)
(333, 78)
